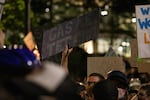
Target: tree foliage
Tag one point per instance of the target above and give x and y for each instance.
(13, 16)
(48, 13)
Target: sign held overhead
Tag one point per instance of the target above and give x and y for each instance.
(73, 33)
(143, 30)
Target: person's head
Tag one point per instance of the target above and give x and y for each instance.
(105, 90)
(94, 78)
(144, 77)
(134, 85)
(17, 62)
(144, 92)
(120, 79)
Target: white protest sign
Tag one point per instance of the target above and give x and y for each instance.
(73, 32)
(143, 30)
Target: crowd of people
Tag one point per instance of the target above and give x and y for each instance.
(24, 77)
(128, 84)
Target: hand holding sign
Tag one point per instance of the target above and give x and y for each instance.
(65, 55)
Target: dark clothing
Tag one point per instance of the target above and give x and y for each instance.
(25, 90)
(105, 90)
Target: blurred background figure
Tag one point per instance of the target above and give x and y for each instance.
(133, 73)
(134, 86)
(94, 78)
(91, 80)
(120, 79)
(2, 37)
(23, 77)
(144, 92)
(136, 80)
(15, 64)
(105, 90)
(144, 77)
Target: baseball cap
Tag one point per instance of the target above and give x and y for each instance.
(17, 60)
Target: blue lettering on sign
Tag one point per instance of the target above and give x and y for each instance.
(144, 24)
(145, 11)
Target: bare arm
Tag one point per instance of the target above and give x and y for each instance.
(64, 59)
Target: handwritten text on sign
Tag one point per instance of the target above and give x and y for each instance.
(74, 32)
(143, 30)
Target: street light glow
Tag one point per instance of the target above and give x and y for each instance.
(133, 20)
(47, 10)
(104, 13)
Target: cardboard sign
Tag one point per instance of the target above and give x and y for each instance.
(143, 30)
(103, 65)
(29, 42)
(74, 32)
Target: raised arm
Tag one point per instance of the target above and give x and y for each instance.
(64, 59)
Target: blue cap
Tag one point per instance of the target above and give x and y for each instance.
(20, 58)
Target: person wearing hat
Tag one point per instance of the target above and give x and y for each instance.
(23, 77)
(120, 79)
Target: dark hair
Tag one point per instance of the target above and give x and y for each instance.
(98, 75)
(144, 77)
(105, 90)
(146, 88)
(119, 78)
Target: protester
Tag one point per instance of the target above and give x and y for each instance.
(74, 62)
(120, 79)
(23, 77)
(15, 64)
(134, 86)
(91, 80)
(144, 77)
(144, 92)
(105, 90)
(94, 78)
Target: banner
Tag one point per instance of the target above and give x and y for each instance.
(73, 33)
(143, 30)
